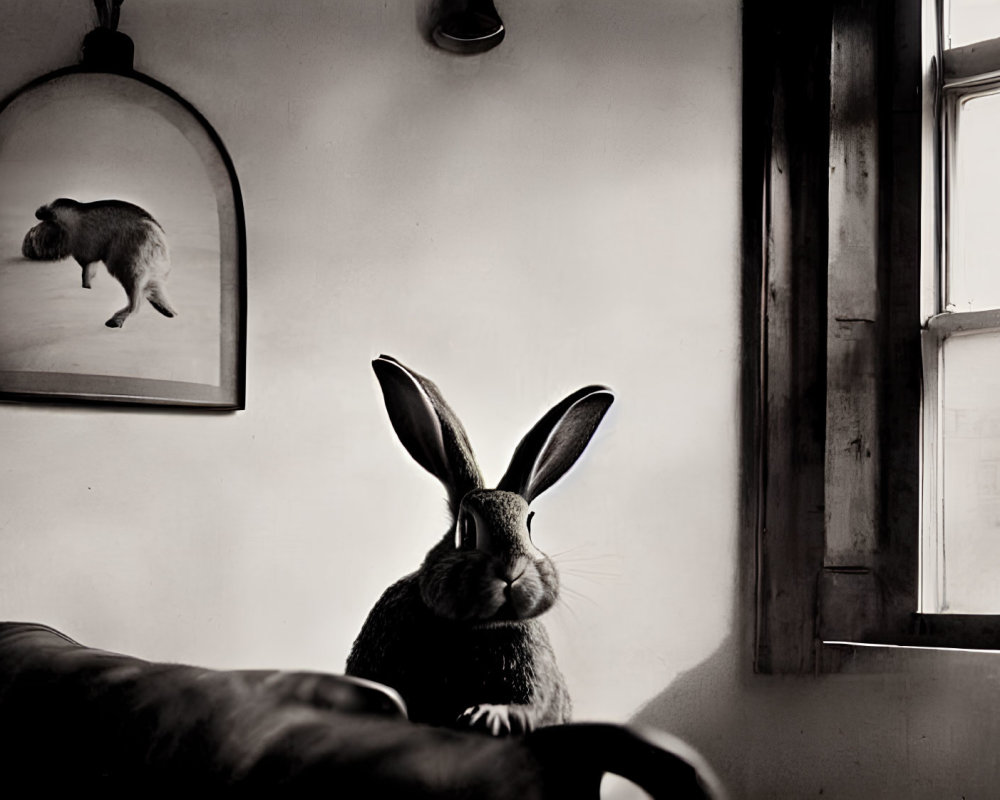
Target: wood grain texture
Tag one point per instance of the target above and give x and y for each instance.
(793, 336)
(853, 313)
(840, 352)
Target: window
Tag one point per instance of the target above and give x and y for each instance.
(968, 21)
(960, 551)
(872, 327)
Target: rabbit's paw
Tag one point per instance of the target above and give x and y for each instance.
(498, 720)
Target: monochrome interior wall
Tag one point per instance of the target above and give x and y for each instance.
(563, 210)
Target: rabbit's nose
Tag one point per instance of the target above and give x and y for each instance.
(514, 571)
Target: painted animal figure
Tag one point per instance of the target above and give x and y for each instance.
(126, 238)
(460, 638)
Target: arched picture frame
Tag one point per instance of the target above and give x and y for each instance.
(100, 163)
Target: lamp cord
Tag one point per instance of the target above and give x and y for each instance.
(108, 12)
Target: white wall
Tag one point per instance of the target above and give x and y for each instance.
(563, 210)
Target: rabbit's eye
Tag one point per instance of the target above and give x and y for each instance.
(465, 538)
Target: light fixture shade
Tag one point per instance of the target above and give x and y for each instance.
(470, 30)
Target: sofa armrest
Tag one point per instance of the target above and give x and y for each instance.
(73, 718)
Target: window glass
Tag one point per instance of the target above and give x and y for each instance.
(974, 265)
(973, 20)
(971, 452)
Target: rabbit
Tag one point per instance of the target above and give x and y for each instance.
(460, 638)
(126, 238)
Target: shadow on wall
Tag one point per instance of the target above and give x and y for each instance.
(430, 12)
(427, 13)
(913, 724)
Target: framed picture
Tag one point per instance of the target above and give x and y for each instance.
(122, 247)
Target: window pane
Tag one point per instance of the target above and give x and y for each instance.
(971, 450)
(974, 263)
(973, 21)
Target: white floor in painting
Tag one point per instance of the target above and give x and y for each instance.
(50, 323)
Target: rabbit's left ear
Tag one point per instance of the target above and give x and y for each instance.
(550, 448)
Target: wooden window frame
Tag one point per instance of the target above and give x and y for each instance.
(966, 72)
(840, 200)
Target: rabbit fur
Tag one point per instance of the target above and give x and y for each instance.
(460, 638)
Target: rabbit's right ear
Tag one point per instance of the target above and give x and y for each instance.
(428, 428)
